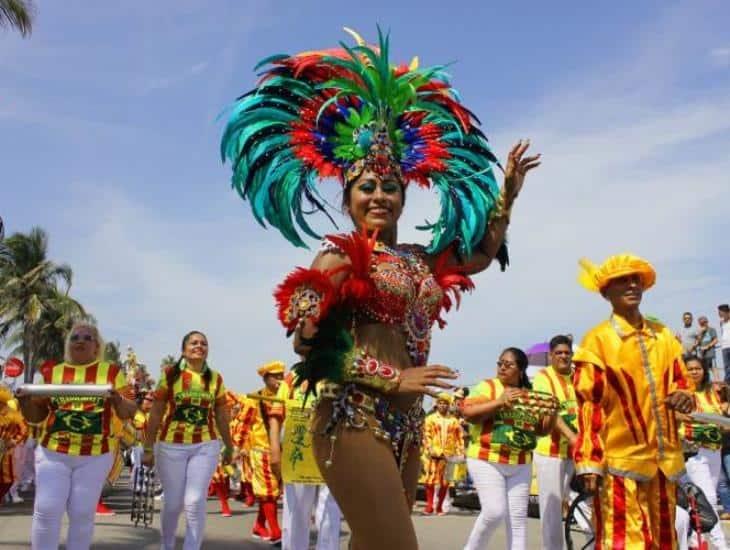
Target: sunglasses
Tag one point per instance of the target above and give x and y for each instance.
(84, 337)
(503, 363)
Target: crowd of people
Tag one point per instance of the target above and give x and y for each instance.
(629, 413)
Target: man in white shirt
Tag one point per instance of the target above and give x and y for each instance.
(723, 311)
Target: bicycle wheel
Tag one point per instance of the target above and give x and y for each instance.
(578, 527)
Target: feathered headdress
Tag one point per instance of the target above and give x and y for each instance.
(334, 113)
(595, 278)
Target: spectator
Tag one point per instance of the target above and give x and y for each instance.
(687, 336)
(706, 340)
(723, 311)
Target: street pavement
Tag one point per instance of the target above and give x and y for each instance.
(114, 532)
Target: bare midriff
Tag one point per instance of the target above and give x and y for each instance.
(387, 343)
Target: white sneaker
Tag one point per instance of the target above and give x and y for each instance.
(16, 498)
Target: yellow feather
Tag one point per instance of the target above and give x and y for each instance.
(413, 64)
(587, 274)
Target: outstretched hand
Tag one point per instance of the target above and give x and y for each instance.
(426, 380)
(517, 167)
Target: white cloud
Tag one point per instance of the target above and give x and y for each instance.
(627, 166)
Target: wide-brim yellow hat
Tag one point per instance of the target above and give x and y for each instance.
(595, 278)
(275, 367)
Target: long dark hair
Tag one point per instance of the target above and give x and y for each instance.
(174, 373)
(522, 362)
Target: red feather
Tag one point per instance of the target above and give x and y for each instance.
(453, 281)
(359, 248)
(315, 279)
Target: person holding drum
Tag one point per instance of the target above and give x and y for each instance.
(443, 439)
(194, 433)
(506, 419)
(553, 460)
(703, 441)
(77, 447)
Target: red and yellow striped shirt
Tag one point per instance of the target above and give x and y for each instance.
(550, 381)
(252, 428)
(82, 426)
(623, 376)
(508, 437)
(191, 403)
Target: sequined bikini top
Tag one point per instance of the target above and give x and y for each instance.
(406, 294)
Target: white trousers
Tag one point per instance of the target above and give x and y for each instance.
(185, 472)
(681, 526)
(66, 484)
(503, 491)
(703, 470)
(135, 457)
(553, 482)
(299, 501)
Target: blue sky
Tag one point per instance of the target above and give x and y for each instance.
(109, 140)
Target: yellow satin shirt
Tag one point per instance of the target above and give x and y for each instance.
(622, 378)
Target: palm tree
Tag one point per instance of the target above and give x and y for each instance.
(4, 250)
(167, 361)
(17, 14)
(35, 308)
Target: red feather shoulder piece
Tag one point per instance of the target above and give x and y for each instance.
(452, 280)
(357, 246)
(305, 293)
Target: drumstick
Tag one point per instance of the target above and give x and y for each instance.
(64, 390)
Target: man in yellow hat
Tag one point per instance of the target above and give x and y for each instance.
(253, 430)
(629, 380)
(443, 439)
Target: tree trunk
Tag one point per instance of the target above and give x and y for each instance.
(27, 356)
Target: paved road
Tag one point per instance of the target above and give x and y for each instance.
(115, 532)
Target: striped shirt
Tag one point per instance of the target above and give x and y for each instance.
(507, 437)
(191, 403)
(82, 426)
(550, 381)
(708, 436)
(252, 426)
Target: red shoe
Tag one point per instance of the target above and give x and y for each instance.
(260, 532)
(103, 510)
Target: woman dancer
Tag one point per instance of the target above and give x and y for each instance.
(499, 457)
(77, 447)
(363, 312)
(189, 445)
(703, 442)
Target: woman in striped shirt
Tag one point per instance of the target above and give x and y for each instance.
(702, 442)
(499, 457)
(189, 444)
(77, 444)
